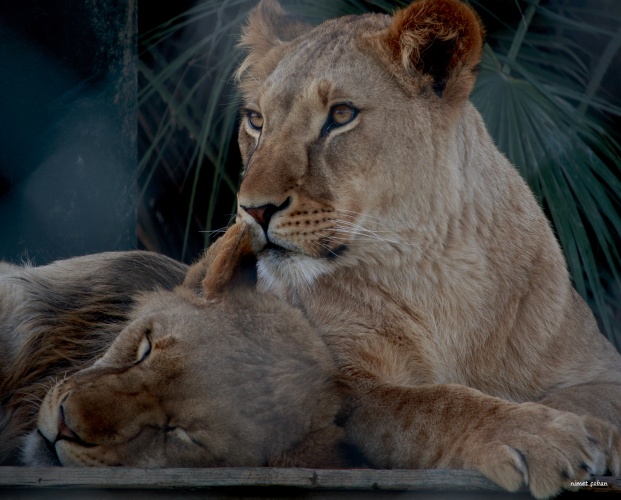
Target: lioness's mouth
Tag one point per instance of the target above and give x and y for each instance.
(273, 247)
(336, 252)
(328, 254)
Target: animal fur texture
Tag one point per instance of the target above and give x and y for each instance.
(381, 207)
(133, 373)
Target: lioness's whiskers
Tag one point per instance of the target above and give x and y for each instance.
(361, 228)
(388, 222)
(363, 232)
(212, 232)
(326, 247)
(346, 212)
(362, 237)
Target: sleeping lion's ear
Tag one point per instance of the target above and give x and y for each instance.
(227, 262)
(440, 39)
(268, 27)
(230, 261)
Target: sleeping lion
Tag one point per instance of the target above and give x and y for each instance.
(210, 373)
(380, 206)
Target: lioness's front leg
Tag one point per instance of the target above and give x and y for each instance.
(453, 426)
(599, 400)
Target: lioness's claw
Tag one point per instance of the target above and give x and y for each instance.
(550, 451)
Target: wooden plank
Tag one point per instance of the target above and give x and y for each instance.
(350, 479)
(262, 479)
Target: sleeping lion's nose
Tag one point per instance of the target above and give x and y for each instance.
(263, 214)
(64, 432)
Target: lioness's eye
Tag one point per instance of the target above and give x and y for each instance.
(342, 114)
(144, 349)
(255, 120)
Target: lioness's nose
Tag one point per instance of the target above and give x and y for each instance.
(264, 213)
(261, 214)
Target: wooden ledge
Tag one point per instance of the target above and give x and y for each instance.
(121, 482)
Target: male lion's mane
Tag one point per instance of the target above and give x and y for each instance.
(56, 319)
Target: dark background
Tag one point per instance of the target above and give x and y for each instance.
(67, 128)
(69, 183)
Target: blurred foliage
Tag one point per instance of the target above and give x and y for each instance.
(546, 89)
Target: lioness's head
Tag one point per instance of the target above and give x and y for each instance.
(211, 374)
(344, 128)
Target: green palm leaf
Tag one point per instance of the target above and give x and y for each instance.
(569, 158)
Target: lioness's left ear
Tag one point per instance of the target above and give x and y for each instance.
(440, 39)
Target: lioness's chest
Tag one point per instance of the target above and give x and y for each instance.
(389, 339)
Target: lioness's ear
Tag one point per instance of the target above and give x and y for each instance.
(268, 27)
(440, 39)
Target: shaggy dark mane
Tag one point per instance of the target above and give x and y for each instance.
(67, 315)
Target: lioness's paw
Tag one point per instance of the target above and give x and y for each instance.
(548, 450)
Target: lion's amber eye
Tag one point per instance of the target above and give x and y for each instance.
(342, 114)
(255, 120)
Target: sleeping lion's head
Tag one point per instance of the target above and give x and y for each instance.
(344, 132)
(210, 374)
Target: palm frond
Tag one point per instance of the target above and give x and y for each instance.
(567, 155)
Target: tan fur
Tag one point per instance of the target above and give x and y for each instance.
(240, 379)
(420, 254)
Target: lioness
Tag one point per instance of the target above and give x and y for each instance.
(380, 206)
(209, 374)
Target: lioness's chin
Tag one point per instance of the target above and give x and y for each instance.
(278, 267)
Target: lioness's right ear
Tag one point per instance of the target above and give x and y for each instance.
(268, 27)
(440, 40)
